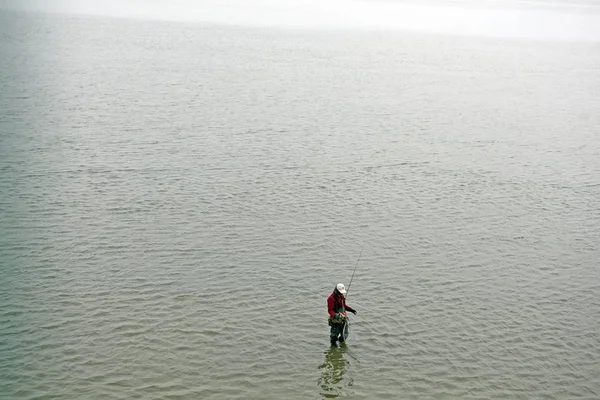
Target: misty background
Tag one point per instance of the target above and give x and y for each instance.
(551, 19)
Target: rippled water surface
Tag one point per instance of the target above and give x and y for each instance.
(177, 202)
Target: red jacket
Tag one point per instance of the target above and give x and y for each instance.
(337, 302)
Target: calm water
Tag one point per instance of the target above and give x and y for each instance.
(177, 201)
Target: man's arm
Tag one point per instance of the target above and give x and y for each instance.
(330, 303)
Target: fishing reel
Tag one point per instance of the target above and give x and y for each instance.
(341, 317)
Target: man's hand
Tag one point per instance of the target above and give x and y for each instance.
(353, 312)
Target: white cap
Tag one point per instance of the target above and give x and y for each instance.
(341, 288)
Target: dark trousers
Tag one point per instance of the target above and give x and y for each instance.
(337, 332)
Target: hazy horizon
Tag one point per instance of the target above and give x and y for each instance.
(545, 20)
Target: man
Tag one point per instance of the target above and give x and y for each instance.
(337, 307)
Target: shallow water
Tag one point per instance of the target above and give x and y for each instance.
(177, 202)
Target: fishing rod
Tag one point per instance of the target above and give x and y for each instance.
(348, 290)
(346, 323)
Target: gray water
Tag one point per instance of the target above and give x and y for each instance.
(177, 201)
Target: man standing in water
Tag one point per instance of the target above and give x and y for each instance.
(336, 306)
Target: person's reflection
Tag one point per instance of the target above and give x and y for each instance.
(332, 371)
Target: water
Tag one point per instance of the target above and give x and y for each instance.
(178, 201)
